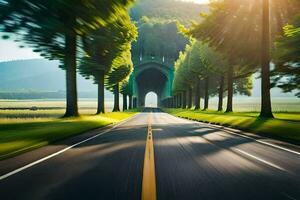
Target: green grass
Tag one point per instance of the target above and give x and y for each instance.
(285, 126)
(20, 135)
(46, 113)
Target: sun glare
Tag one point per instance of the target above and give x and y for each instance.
(198, 1)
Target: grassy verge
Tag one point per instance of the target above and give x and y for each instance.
(20, 135)
(285, 126)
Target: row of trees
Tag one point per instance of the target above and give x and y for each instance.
(200, 72)
(93, 36)
(236, 39)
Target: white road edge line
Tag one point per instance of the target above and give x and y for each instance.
(248, 137)
(63, 150)
(259, 159)
(266, 143)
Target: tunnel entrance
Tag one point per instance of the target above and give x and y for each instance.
(152, 79)
(151, 100)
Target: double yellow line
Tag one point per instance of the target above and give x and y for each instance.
(149, 182)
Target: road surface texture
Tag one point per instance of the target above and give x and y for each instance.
(192, 161)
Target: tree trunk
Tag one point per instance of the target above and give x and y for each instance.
(174, 101)
(134, 102)
(229, 88)
(116, 98)
(206, 95)
(124, 102)
(197, 95)
(71, 84)
(221, 92)
(184, 100)
(130, 102)
(100, 79)
(266, 108)
(180, 100)
(190, 96)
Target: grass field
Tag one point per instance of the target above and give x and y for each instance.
(23, 129)
(49, 108)
(46, 108)
(23, 134)
(285, 126)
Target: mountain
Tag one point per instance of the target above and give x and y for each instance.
(39, 75)
(22, 78)
(184, 12)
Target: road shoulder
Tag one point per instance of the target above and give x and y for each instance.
(273, 142)
(26, 158)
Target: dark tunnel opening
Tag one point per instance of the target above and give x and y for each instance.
(151, 79)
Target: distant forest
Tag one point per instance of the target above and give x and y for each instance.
(157, 22)
(184, 12)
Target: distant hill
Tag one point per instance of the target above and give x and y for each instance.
(168, 9)
(39, 75)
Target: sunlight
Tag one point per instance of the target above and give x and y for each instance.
(151, 100)
(198, 1)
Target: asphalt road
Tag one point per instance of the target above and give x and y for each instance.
(192, 161)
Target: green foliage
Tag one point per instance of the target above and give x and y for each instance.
(234, 27)
(243, 86)
(44, 24)
(161, 10)
(158, 39)
(200, 61)
(108, 47)
(287, 58)
(181, 80)
(205, 60)
(122, 67)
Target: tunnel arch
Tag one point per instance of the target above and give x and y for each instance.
(152, 65)
(151, 77)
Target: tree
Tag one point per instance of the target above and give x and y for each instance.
(121, 69)
(179, 83)
(103, 47)
(233, 27)
(208, 65)
(52, 28)
(202, 67)
(266, 107)
(125, 91)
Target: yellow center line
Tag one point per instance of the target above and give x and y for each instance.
(149, 182)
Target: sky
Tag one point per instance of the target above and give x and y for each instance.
(198, 1)
(10, 51)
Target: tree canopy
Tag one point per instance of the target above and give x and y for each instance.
(287, 58)
(158, 39)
